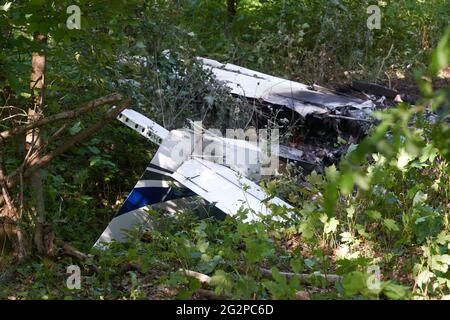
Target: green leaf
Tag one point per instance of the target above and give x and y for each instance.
(202, 246)
(222, 282)
(394, 291)
(362, 231)
(346, 237)
(75, 128)
(374, 214)
(353, 283)
(6, 6)
(429, 153)
(419, 198)
(331, 225)
(257, 249)
(403, 159)
(278, 277)
(330, 197)
(306, 229)
(391, 225)
(440, 58)
(424, 277)
(315, 179)
(443, 238)
(140, 45)
(331, 173)
(94, 150)
(350, 212)
(347, 182)
(440, 262)
(297, 265)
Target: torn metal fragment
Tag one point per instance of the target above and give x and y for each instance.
(168, 179)
(278, 91)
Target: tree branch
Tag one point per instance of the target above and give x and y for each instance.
(109, 99)
(40, 163)
(203, 278)
(4, 189)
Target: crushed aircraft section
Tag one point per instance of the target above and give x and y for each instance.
(172, 183)
(277, 91)
(174, 176)
(312, 117)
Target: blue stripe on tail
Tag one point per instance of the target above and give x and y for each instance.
(142, 197)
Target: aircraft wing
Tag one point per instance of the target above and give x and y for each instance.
(172, 191)
(143, 125)
(154, 187)
(173, 178)
(223, 188)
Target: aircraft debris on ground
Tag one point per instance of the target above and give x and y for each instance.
(172, 182)
(314, 115)
(176, 174)
(299, 97)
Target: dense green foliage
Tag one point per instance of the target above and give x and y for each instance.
(319, 40)
(385, 205)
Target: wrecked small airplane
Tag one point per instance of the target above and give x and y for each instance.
(180, 172)
(299, 97)
(177, 174)
(312, 116)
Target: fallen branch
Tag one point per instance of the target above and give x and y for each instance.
(300, 295)
(56, 135)
(66, 115)
(67, 249)
(71, 251)
(30, 157)
(203, 278)
(305, 277)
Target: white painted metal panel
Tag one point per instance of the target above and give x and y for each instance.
(222, 187)
(294, 95)
(146, 127)
(139, 220)
(118, 227)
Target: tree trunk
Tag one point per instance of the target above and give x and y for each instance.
(231, 9)
(231, 13)
(9, 215)
(34, 142)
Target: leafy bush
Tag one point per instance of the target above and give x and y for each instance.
(383, 209)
